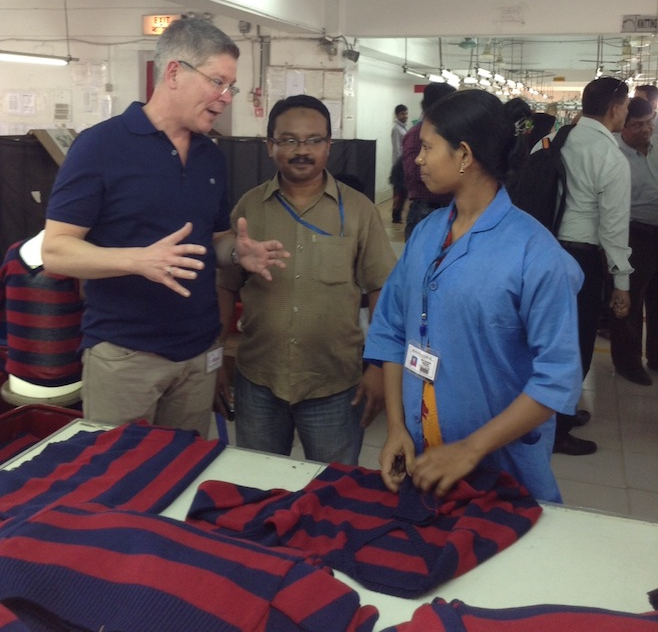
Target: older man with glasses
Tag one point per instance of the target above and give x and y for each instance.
(299, 359)
(140, 211)
(626, 333)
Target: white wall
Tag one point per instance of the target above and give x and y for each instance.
(112, 70)
(382, 87)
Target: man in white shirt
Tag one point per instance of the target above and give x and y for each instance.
(636, 143)
(596, 218)
(397, 179)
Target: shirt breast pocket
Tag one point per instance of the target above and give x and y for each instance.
(332, 259)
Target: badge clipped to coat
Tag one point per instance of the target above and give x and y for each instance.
(424, 363)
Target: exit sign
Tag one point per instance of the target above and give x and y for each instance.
(155, 24)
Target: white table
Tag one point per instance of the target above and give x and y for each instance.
(571, 556)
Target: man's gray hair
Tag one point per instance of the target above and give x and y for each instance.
(192, 40)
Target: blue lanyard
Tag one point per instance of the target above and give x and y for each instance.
(443, 251)
(308, 225)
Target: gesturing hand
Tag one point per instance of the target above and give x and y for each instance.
(258, 256)
(167, 260)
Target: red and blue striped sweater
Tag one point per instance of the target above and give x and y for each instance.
(402, 545)
(91, 568)
(43, 312)
(135, 466)
(456, 616)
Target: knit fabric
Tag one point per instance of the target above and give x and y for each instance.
(402, 545)
(43, 312)
(91, 568)
(16, 445)
(456, 616)
(9, 621)
(135, 466)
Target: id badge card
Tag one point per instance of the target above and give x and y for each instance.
(423, 363)
(214, 359)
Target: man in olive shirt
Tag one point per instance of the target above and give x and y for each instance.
(299, 360)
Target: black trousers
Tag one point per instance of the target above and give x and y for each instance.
(626, 333)
(590, 303)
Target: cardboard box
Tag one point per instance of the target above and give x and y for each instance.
(55, 141)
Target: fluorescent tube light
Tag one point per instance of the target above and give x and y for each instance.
(30, 58)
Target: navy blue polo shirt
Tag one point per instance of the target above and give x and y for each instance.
(123, 179)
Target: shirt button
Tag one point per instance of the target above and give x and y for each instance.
(300, 246)
(293, 341)
(295, 309)
(297, 276)
(174, 152)
(433, 285)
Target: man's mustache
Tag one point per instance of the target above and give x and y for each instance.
(301, 160)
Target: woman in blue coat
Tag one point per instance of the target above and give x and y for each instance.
(477, 325)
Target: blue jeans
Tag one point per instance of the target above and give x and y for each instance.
(328, 427)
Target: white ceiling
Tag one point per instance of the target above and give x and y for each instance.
(558, 64)
(541, 59)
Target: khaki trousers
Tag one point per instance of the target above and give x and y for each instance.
(120, 385)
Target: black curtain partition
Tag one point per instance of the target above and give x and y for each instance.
(27, 174)
(249, 165)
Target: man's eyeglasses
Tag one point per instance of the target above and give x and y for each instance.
(220, 85)
(294, 143)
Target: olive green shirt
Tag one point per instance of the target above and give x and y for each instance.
(301, 335)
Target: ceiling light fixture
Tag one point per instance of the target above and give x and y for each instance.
(413, 73)
(31, 58)
(487, 54)
(35, 58)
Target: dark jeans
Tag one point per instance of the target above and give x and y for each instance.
(626, 333)
(399, 198)
(590, 303)
(329, 428)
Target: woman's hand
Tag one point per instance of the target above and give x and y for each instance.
(396, 457)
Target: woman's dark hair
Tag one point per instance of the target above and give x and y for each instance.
(297, 101)
(479, 119)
